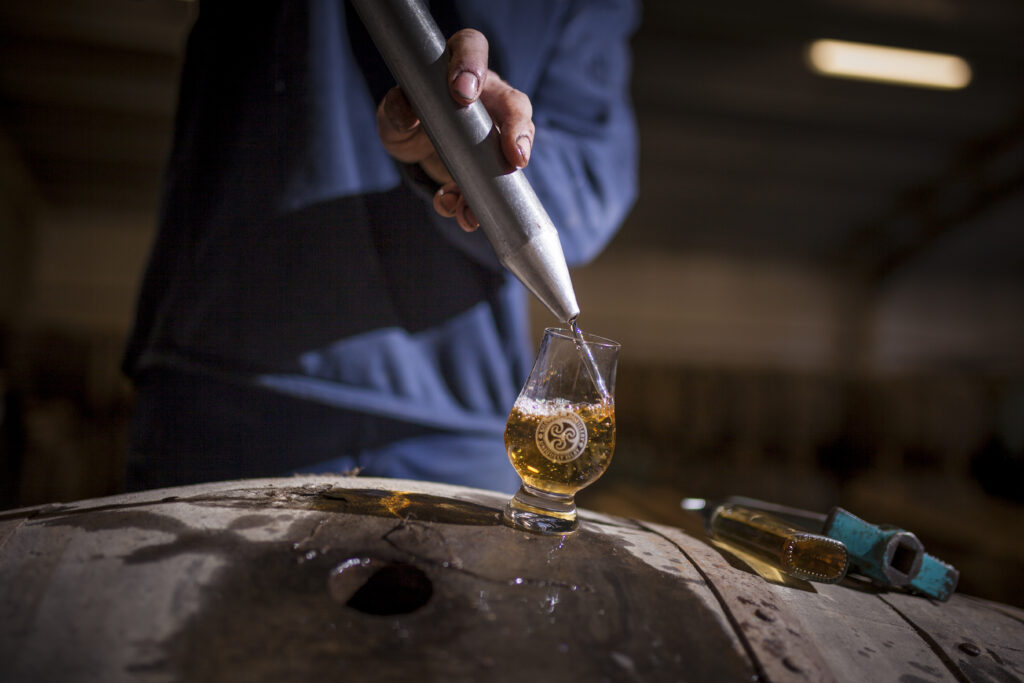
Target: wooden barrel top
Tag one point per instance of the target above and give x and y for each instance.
(330, 578)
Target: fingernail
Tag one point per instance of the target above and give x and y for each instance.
(523, 147)
(449, 200)
(471, 218)
(466, 84)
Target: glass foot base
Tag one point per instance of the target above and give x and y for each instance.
(541, 512)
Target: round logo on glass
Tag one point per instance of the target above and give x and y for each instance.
(562, 438)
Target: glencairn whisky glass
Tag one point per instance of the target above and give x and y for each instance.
(560, 434)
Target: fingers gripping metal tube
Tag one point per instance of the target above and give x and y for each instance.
(510, 214)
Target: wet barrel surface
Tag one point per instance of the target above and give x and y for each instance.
(380, 580)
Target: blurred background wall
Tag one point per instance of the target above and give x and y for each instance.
(820, 292)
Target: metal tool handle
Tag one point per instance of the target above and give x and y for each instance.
(510, 214)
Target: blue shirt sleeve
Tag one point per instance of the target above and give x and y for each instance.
(584, 162)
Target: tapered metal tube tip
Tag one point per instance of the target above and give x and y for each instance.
(540, 265)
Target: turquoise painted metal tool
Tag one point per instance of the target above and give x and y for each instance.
(886, 554)
(936, 579)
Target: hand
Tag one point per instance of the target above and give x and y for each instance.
(468, 79)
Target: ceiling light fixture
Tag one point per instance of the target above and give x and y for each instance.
(895, 65)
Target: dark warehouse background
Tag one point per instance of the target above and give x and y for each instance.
(820, 292)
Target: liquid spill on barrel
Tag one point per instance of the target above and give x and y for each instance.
(407, 505)
(487, 602)
(556, 548)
